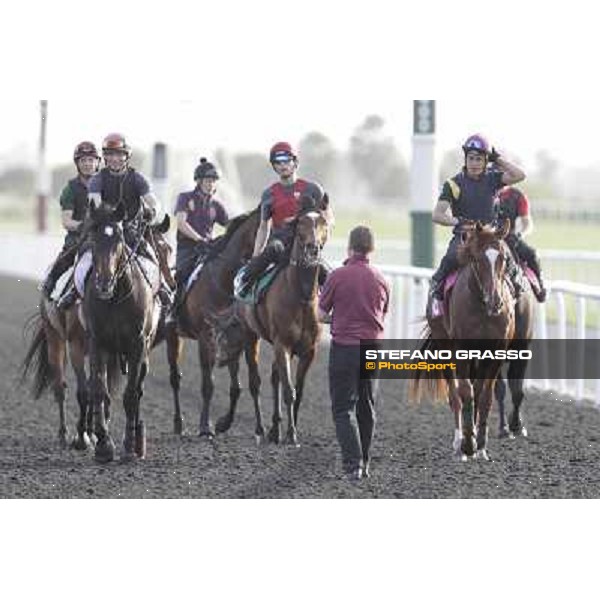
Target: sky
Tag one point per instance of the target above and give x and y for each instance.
(261, 71)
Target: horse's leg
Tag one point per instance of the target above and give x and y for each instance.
(56, 359)
(465, 390)
(274, 435)
(207, 358)
(235, 389)
(105, 447)
(130, 399)
(283, 358)
(455, 406)
(251, 351)
(174, 350)
(489, 373)
(140, 428)
(516, 379)
(304, 363)
(500, 395)
(77, 356)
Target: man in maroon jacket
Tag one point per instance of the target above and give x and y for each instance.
(358, 295)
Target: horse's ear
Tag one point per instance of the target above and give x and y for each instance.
(93, 211)
(479, 226)
(504, 230)
(119, 213)
(165, 225)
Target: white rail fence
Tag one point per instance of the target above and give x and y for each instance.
(572, 310)
(409, 294)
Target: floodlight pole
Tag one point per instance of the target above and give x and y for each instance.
(43, 178)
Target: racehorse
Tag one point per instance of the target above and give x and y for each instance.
(480, 307)
(121, 316)
(206, 308)
(516, 369)
(55, 330)
(287, 318)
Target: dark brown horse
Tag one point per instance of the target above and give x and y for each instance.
(287, 318)
(207, 307)
(481, 307)
(55, 331)
(121, 312)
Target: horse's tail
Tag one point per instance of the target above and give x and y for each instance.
(430, 382)
(36, 359)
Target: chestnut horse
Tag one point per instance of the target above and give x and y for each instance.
(480, 307)
(287, 318)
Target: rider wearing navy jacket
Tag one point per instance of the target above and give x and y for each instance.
(470, 196)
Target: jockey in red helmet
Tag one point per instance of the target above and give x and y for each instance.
(470, 196)
(279, 206)
(73, 203)
(513, 204)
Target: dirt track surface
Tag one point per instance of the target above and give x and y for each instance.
(411, 452)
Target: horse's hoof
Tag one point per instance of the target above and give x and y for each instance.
(62, 441)
(291, 439)
(127, 457)
(105, 451)
(82, 443)
(274, 436)
(178, 426)
(207, 434)
(505, 434)
(519, 432)
(223, 424)
(140, 440)
(481, 454)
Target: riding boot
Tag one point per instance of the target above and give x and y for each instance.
(536, 268)
(48, 285)
(514, 273)
(259, 263)
(448, 264)
(324, 271)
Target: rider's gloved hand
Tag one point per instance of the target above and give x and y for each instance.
(493, 156)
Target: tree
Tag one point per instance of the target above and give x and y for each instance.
(452, 162)
(375, 157)
(318, 158)
(18, 181)
(254, 172)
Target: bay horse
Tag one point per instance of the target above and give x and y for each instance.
(287, 318)
(480, 307)
(515, 374)
(121, 315)
(207, 307)
(56, 331)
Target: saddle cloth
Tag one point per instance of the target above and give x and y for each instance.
(254, 293)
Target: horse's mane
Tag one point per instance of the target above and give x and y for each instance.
(476, 241)
(219, 244)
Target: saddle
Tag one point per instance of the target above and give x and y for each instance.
(253, 294)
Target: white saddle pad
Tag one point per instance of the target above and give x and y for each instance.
(193, 276)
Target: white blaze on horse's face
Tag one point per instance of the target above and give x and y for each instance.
(109, 231)
(492, 256)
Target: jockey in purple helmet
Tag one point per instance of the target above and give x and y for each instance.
(470, 196)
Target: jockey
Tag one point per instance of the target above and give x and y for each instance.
(74, 203)
(513, 204)
(279, 205)
(470, 196)
(196, 213)
(119, 183)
